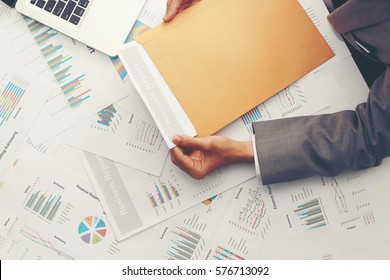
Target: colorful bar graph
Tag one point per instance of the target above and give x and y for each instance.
(119, 67)
(44, 205)
(222, 253)
(152, 200)
(162, 193)
(310, 214)
(10, 97)
(106, 115)
(184, 246)
(252, 116)
(60, 63)
(137, 30)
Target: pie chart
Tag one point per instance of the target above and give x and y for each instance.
(92, 230)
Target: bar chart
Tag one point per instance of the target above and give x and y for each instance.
(60, 63)
(12, 90)
(44, 204)
(184, 245)
(222, 253)
(310, 215)
(137, 30)
(108, 120)
(164, 193)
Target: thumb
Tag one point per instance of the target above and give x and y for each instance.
(187, 142)
(172, 9)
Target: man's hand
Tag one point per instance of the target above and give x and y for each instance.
(201, 156)
(176, 6)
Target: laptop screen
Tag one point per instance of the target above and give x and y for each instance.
(10, 3)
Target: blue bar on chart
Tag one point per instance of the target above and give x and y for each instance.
(138, 29)
(163, 192)
(44, 205)
(106, 115)
(183, 247)
(252, 116)
(222, 253)
(10, 97)
(310, 214)
(60, 63)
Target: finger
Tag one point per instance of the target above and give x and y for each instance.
(172, 9)
(182, 160)
(187, 142)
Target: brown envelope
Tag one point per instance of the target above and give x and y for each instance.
(221, 58)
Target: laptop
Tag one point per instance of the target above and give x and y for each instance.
(101, 24)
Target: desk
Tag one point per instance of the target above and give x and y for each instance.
(341, 94)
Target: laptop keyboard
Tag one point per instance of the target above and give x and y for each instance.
(69, 10)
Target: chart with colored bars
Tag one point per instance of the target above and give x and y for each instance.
(184, 245)
(143, 135)
(310, 215)
(92, 230)
(44, 204)
(60, 63)
(108, 120)
(163, 192)
(137, 30)
(12, 91)
(222, 253)
(258, 113)
(285, 103)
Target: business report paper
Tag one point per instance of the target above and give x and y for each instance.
(80, 91)
(22, 96)
(53, 213)
(129, 194)
(127, 135)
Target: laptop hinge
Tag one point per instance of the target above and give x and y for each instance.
(10, 3)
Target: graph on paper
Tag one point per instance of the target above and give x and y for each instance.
(44, 204)
(248, 212)
(92, 230)
(297, 99)
(310, 215)
(42, 199)
(164, 193)
(108, 120)
(12, 90)
(207, 184)
(72, 83)
(37, 238)
(184, 244)
(351, 199)
(222, 253)
(137, 30)
(290, 99)
(259, 113)
(143, 135)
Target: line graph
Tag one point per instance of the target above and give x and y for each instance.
(339, 197)
(38, 239)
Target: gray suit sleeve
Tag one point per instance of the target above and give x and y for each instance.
(295, 148)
